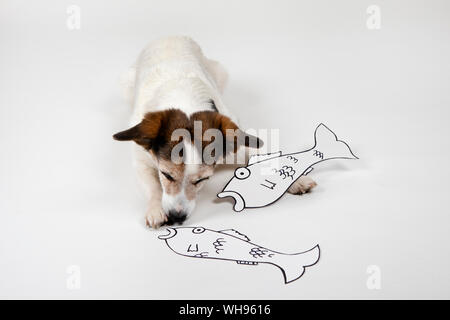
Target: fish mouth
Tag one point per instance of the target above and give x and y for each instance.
(239, 203)
(171, 234)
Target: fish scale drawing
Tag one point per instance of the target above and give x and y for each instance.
(268, 176)
(231, 245)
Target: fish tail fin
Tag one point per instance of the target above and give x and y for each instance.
(294, 264)
(328, 146)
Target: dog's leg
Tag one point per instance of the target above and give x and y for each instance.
(302, 185)
(154, 216)
(148, 177)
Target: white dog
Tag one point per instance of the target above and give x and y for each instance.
(172, 86)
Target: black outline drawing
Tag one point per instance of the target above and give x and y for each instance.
(228, 246)
(302, 165)
(272, 184)
(285, 172)
(318, 153)
(218, 244)
(239, 171)
(189, 248)
(292, 158)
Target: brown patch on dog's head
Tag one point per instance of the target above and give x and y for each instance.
(232, 136)
(154, 133)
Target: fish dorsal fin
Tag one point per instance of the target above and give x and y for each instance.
(234, 233)
(261, 157)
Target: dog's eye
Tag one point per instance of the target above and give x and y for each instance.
(199, 180)
(168, 176)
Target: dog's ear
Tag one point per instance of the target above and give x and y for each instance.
(135, 134)
(145, 132)
(233, 137)
(154, 131)
(249, 140)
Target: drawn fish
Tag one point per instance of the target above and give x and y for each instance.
(267, 177)
(231, 245)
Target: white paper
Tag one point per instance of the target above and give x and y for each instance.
(231, 245)
(267, 177)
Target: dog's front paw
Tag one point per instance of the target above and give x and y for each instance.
(302, 185)
(155, 217)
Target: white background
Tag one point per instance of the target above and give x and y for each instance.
(68, 192)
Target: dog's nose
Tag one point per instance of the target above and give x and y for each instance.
(176, 216)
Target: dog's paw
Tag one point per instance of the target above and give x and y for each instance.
(155, 217)
(303, 185)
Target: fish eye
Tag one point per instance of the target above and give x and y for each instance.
(242, 173)
(198, 230)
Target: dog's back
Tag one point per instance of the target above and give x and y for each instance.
(173, 73)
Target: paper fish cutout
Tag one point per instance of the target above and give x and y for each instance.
(231, 245)
(267, 177)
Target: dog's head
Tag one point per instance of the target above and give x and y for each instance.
(185, 151)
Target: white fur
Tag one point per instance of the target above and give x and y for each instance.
(177, 203)
(193, 157)
(173, 73)
(170, 73)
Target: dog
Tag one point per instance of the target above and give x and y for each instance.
(172, 88)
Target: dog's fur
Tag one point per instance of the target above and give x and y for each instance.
(172, 85)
